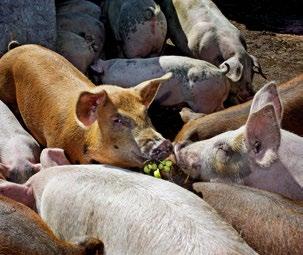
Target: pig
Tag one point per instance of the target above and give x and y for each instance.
(63, 108)
(22, 231)
(76, 49)
(259, 154)
(77, 7)
(19, 151)
(268, 222)
(200, 84)
(139, 27)
(207, 126)
(85, 26)
(200, 30)
(133, 213)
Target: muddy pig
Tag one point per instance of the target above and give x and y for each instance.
(62, 108)
(77, 7)
(200, 84)
(133, 213)
(19, 151)
(268, 222)
(201, 31)
(92, 35)
(22, 231)
(259, 154)
(234, 117)
(139, 27)
(76, 49)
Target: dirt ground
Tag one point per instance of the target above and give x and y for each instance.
(273, 35)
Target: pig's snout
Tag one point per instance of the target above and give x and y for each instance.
(162, 151)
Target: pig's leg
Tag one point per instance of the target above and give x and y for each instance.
(22, 193)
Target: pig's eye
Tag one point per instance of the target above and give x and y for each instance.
(223, 152)
(121, 121)
(257, 147)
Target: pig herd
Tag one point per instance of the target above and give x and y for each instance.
(69, 149)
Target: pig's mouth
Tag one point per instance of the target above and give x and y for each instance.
(140, 157)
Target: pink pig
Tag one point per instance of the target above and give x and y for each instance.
(259, 154)
(19, 152)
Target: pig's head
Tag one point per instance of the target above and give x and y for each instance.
(240, 70)
(233, 155)
(118, 118)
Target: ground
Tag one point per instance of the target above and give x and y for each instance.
(274, 34)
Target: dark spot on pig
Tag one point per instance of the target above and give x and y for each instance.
(93, 161)
(116, 147)
(85, 148)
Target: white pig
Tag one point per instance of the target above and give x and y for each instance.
(259, 154)
(200, 84)
(200, 30)
(19, 151)
(133, 213)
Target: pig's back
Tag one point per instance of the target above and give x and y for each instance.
(134, 213)
(270, 223)
(23, 232)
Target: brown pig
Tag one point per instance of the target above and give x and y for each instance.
(269, 223)
(234, 117)
(62, 108)
(22, 231)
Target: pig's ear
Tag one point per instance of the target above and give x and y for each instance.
(268, 94)
(232, 68)
(92, 246)
(257, 67)
(53, 157)
(86, 109)
(98, 66)
(188, 115)
(148, 89)
(262, 136)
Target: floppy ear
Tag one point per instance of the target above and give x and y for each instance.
(53, 157)
(149, 89)
(257, 67)
(188, 115)
(86, 108)
(268, 94)
(232, 68)
(262, 136)
(98, 66)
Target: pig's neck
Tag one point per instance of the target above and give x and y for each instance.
(291, 152)
(284, 175)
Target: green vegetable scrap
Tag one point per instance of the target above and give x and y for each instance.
(155, 168)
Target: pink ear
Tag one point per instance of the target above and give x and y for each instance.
(86, 109)
(149, 89)
(53, 157)
(262, 136)
(268, 94)
(21, 193)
